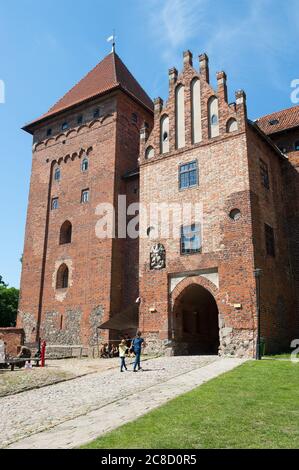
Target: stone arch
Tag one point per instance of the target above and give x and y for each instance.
(82, 128)
(195, 319)
(39, 146)
(71, 133)
(60, 137)
(50, 141)
(94, 123)
(82, 153)
(107, 116)
(190, 280)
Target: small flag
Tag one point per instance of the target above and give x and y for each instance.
(110, 38)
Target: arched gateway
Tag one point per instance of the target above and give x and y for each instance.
(195, 323)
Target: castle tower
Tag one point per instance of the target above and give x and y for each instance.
(85, 153)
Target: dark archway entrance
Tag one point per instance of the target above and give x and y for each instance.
(196, 325)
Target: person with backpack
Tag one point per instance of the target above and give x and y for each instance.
(136, 346)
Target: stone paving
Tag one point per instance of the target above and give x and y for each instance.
(71, 413)
(55, 371)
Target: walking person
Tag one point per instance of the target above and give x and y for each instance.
(122, 349)
(137, 343)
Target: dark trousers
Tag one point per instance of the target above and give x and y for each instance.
(137, 360)
(123, 363)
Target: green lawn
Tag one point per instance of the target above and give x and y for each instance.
(253, 406)
(286, 355)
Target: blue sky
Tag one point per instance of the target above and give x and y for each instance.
(46, 47)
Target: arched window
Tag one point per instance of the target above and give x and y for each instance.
(57, 174)
(149, 153)
(62, 279)
(180, 116)
(164, 133)
(296, 145)
(65, 233)
(84, 165)
(196, 111)
(231, 125)
(213, 117)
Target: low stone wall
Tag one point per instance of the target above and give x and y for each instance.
(14, 338)
(69, 351)
(154, 345)
(237, 343)
(233, 343)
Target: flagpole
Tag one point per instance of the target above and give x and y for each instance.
(113, 39)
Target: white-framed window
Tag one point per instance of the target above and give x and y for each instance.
(190, 239)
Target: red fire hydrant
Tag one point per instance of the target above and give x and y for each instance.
(43, 354)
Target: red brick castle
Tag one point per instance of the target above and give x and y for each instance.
(196, 293)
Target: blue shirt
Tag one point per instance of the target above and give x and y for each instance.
(137, 342)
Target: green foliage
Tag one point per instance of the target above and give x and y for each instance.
(2, 283)
(9, 297)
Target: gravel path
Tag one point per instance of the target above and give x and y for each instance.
(38, 410)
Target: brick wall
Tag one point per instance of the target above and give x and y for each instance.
(290, 176)
(97, 267)
(227, 249)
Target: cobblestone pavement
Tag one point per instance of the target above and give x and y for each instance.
(21, 380)
(38, 410)
(55, 371)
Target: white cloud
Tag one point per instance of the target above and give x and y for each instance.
(173, 23)
(259, 35)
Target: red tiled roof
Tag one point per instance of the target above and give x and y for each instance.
(109, 74)
(279, 121)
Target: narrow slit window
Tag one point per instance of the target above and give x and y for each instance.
(264, 174)
(84, 165)
(85, 196)
(57, 174)
(54, 203)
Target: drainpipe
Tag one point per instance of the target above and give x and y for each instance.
(257, 274)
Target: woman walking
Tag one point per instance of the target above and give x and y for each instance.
(122, 349)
